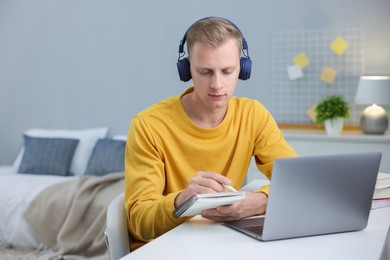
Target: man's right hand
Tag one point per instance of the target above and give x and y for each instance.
(202, 182)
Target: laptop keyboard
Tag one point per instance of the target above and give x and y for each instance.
(255, 229)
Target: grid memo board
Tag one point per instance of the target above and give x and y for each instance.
(292, 98)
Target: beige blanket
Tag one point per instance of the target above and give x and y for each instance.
(70, 217)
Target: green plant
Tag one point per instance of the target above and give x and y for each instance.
(331, 107)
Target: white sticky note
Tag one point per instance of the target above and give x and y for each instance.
(294, 72)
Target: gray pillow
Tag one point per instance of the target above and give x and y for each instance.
(47, 156)
(108, 156)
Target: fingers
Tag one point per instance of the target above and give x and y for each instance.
(214, 176)
(223, 213)
(211, 181)
(253, 204)
(202, 182)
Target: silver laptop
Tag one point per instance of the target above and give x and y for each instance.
(316, 195)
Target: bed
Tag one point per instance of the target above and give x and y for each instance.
(54, 197)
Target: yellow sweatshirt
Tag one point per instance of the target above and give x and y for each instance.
(165, 149)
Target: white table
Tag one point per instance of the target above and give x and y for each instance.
(204, 239)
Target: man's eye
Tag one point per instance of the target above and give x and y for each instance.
(204, 72)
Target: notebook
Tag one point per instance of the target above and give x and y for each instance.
(199, 202)
(316, 195)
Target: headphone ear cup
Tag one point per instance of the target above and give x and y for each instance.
(246, 67)
(183, 67)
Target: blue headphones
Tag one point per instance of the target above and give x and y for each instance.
(183, 65)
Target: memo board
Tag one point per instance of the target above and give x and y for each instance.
(292, 98)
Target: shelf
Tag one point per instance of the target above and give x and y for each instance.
(351, 133)
(344, 137)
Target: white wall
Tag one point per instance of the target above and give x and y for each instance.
(79, 64)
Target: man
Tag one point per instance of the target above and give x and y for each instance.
(199, 141)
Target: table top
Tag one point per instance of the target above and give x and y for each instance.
(200, 238)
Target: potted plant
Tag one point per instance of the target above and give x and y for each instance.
(331, 111)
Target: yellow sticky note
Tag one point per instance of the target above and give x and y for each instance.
(339, 45)
(302, 60)
(328, 75)
(311, 112)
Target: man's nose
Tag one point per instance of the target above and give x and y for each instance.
(216, 81)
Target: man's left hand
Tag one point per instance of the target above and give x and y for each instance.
(255, 203)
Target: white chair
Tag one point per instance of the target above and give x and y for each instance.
(116, 234)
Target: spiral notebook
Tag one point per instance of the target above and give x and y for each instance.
(199, 202)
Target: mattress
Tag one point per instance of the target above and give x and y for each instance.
(16, 192)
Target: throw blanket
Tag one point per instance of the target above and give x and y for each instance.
(70, 217)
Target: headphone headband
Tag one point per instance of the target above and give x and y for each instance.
(183, 40)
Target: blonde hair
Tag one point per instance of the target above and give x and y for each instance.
(213, 31)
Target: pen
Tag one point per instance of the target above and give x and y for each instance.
(229, 188)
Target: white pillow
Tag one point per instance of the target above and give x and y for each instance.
(87, 140)
(120, 137)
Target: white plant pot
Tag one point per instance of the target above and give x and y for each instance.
(334, 126)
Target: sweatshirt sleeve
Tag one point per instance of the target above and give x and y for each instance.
(149, 210)
(270, 145)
